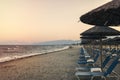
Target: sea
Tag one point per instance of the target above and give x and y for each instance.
(14, 52)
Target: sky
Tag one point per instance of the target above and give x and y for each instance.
(29, 21)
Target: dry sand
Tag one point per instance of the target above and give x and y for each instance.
(53, 66)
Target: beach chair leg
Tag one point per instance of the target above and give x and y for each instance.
(98, 77)
(78, 78)
(114, 77)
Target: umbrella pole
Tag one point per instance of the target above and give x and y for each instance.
(101, 53)
(110, 47)
(93, 47)
(117, 46)
(91, 51)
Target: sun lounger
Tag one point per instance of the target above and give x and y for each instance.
(88, 68)
(96, 74)
(89, 61)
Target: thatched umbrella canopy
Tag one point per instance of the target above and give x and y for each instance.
(92, 37)
(108, 41)
(89, 39)
(112, 41)
(116, 41)
(105, 15)
(85, 41)
(100, 31)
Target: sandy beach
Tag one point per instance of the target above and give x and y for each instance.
(53, 66)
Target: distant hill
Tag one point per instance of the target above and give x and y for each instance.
(58, 42)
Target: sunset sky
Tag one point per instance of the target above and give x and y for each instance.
(29, 21)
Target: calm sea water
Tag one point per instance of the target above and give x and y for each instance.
(12, 52)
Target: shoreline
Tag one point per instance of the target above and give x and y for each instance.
(16, 57)
(55, 66)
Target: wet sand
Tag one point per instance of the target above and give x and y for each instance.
(53, 66)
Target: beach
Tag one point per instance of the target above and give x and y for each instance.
(52, 66)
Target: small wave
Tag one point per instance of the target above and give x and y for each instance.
(10, 58)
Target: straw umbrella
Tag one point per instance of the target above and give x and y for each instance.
(100, 31)
(92, 38)
(112, 41)
(89, 39)
(116, 41)
(109, 42)
(105, 15)
(84, 41)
